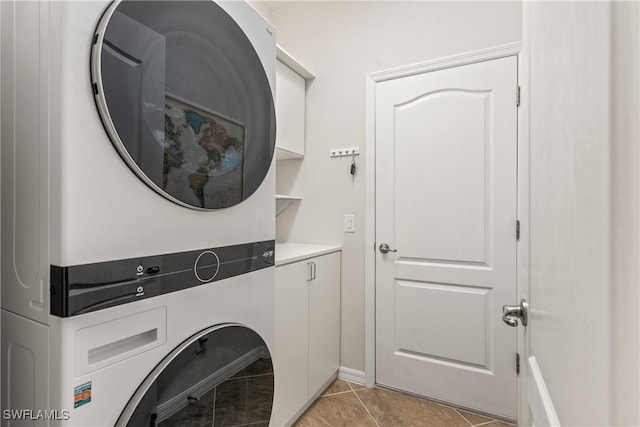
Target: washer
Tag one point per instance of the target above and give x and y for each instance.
(138, 206)
(202, 353)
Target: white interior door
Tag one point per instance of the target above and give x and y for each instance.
(446, 175)
(581, 173)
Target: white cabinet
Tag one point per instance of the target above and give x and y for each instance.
(307, 332)
(290, 101)
(324, 321)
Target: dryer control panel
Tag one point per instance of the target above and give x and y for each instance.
(80, 289)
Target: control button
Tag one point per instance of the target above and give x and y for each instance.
(153, 270)
(207, 266)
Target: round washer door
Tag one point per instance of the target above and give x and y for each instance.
(185, 100)
(221, 376)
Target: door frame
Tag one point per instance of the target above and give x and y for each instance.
(522, 286)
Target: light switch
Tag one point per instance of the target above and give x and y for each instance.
(349, 224)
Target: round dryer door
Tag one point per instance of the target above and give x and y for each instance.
(221, 376)
(185, 100)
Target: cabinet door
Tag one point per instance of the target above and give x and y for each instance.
(290, 112)
(324, 321)
(291, 353)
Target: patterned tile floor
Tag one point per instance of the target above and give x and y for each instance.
(352, 405)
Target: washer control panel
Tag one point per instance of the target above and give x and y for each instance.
(80, 289)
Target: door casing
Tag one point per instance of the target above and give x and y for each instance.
(522, 285)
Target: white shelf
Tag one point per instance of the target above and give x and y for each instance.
(285, 198)
(290, 98)
(288, 60)
(291, 85)
(284, 154)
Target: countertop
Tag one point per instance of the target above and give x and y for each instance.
(286, 253)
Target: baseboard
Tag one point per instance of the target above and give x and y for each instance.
(351, 375)
(540, 405)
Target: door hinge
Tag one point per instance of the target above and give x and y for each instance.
(517, 229)
(517, 96)
(518, 363)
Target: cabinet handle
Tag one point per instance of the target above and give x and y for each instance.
(309, 271)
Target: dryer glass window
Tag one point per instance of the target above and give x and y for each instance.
(185, 100)
(220, 377)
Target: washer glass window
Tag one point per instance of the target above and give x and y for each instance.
(222, 376)
(185, 100)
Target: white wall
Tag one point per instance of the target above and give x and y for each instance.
(625, 158)
(261, 7)
(584, 93)
(340, 42)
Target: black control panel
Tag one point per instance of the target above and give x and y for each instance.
(80, 289)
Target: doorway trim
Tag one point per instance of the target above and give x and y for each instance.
(374, 78)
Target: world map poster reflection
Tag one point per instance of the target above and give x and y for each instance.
(203, 155)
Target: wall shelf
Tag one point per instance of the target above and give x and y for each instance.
(287, 197)
(286, 200)
(286, 58)
(290, 98)
(284, 154)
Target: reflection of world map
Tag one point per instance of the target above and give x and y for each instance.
(203, 156)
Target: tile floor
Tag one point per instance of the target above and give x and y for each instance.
(352, 405)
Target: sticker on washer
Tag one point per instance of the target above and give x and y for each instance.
(82, 394)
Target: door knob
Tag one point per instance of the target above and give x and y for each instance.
(511, 313)
(384, 248)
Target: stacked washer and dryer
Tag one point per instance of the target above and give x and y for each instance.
(137, 213)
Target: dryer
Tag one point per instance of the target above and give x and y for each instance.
(137, 201)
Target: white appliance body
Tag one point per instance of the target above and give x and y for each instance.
(68, 196)
(115, 349)
(69, 199)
